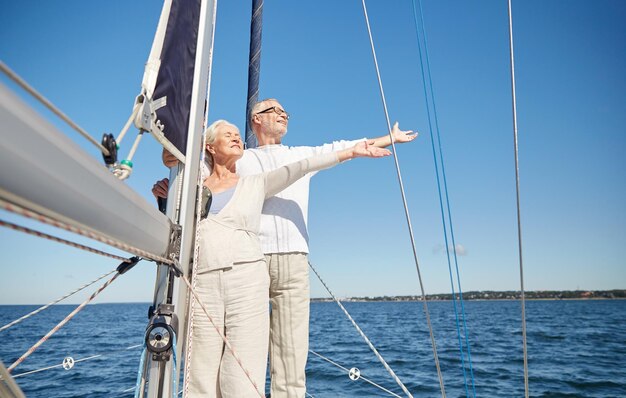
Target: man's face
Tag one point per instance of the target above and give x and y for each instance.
(273, 118)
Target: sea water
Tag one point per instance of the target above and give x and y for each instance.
(575, 349)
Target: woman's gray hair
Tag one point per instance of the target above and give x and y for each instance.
(210, 134)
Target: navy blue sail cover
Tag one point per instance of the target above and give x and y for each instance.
(175, 77)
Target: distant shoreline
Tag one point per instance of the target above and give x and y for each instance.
(356, 300)
(488, 295)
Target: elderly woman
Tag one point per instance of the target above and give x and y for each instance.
(232, 277)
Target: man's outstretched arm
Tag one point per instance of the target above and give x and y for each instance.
(399, 137)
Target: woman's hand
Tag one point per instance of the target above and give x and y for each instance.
(363, 149)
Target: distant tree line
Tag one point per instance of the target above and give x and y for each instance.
(504, 295)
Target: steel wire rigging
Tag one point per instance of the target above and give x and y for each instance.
(404, 201)
(38, 310)
(517, 196)
(75, 361)
(367, 340)
(445, 209)
(29, 89)
(65, 320)
(351, 372)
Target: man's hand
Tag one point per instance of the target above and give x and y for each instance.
(160, 188)
(400, 136)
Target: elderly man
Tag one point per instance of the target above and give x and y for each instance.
(284, 240)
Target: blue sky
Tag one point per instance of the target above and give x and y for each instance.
(88, 57)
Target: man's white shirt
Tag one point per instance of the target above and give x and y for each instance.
(284, 219)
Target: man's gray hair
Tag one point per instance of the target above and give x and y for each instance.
(256, 108)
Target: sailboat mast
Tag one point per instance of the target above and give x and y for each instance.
(199, 110)
(183, 187)
(254, 66)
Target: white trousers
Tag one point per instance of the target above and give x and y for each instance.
(289, 323)
(236, 298)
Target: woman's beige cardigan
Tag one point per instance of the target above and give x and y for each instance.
(231, 236)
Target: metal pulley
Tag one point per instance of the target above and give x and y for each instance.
(161, 332)
(108, 141)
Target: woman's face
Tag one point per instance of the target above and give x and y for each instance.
(227, 144)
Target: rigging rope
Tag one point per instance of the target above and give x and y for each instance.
(406, 209)
(441, 205)
(139, 383)
(40, 234)
(360, 376)
(77, 230)
(517, 191)
(194, 267)
(60, 324)
(367, 340)
(175, 365)
(15, 322)
(22, 83)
